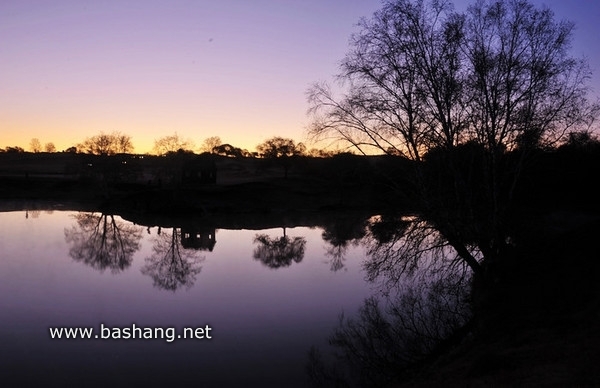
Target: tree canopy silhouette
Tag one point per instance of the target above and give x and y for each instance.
(172, 143)
(467, 96)
(230, 151)
(107, 144)
(280, 149)
(35, 145)
(49, 147)
(209, 144)
(421, 76)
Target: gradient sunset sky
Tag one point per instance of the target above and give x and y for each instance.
(70, 69)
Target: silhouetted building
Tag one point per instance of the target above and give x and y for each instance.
(204, 239)
(200, 170)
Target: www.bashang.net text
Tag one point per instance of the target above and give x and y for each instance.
(169, 334)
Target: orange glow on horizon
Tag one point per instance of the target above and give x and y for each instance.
(63, 136)
(199, 69)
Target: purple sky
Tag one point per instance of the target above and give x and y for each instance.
(239, 70)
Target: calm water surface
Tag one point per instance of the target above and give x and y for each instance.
(267, 300)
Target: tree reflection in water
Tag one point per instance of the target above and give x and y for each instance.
(171, 266)
(407, 249)
(280, 251)
(102, 242)
(340, 234)
(424, 305)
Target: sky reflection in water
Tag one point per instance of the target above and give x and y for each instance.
(264, 320)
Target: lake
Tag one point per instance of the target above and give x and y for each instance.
(267, 296)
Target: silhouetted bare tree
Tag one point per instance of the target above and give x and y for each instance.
(469, 94)
(210, 143)
(35, 145)
(422, 76)
(49, 147)
(106, 144)
(172, 143)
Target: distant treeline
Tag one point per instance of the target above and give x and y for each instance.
(119, 143)
(557, 177)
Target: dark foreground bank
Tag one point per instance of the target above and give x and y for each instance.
(540, 323)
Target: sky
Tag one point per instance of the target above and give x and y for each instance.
(70, 69)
